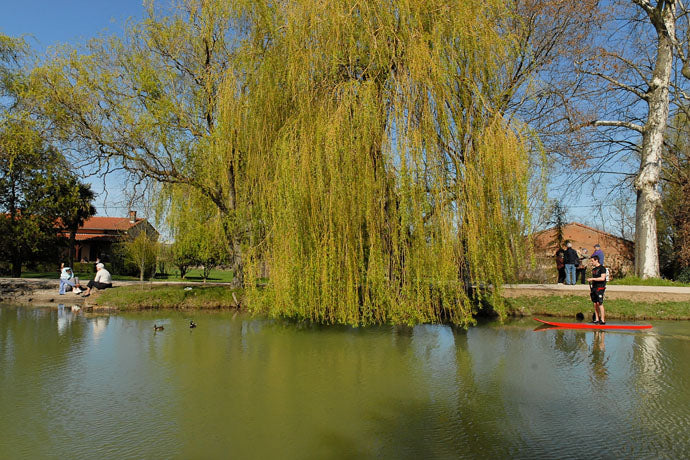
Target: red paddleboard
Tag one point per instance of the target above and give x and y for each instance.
(594, 326)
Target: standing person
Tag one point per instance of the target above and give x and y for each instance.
(560, 265)
(598, 252)
(102, 280)
(571, 262)
(597, 289)
(582, 268)
(67, 279)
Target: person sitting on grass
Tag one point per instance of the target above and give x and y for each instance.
(67, 279)
(102, 280)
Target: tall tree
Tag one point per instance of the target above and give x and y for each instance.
(559, 219)
(674, 213)
(633, 73)
(359, 151)
(387, 179)
(37, 185)
(148, 102)
(31, 175)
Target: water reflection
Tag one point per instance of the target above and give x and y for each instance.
(599, 371)
(255, 388)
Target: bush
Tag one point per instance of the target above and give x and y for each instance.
(684, 275)
(84, 267)
(119, 263)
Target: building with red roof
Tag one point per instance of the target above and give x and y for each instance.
(94, 239)
(619, 253)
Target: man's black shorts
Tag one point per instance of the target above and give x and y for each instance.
(597, 295)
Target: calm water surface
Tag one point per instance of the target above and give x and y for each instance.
(73, 386)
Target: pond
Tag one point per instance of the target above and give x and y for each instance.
(73, 386)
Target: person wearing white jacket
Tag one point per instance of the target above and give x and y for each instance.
(102, 280)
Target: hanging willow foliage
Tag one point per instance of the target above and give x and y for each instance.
(379, 183)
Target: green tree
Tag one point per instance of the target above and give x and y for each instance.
(559, 219)
(360, 152)
(212, 253)
(142, 251)
(198, 232)
(148, 102)
(674, 212)
(75, 206)
(184, 254)
(37, 186)
(31, 177)
(386, 179)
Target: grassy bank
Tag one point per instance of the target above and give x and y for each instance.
(168, 296)
(149, 296)
(635, 281)
(569, 306)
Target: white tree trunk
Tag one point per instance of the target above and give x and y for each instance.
(647, 180)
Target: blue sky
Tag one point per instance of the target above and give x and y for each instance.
(46, 23)
(51, 22)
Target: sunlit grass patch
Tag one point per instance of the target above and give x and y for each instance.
(146, 296)
(636, 281)
(569, 306)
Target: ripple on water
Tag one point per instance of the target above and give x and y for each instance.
(244, 387)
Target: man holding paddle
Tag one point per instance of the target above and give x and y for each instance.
(597, 289)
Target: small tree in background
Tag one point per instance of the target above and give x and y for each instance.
(558, 219)
(212, 253)
(142, 251)
(183, 254)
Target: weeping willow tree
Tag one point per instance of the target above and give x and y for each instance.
(382, 183)
(351, 153)
(198, 230)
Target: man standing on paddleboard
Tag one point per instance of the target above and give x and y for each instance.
(597, 289)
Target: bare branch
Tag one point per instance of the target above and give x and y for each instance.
(619, 124)
(637, 92)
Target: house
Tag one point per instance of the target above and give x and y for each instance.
(94, 239)
(619, 253)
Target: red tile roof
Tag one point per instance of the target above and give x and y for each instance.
(108, 223)
(103, 228)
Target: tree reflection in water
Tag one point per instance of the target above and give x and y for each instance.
(599, 371)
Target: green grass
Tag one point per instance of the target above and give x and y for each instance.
(147, 296)
(569, 306)
(635, 281)
(216, 276)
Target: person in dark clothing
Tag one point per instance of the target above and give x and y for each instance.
(597, 289)
(581, 271)
(571, 261)
(560, 265)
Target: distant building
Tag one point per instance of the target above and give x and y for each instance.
(619, 253)
(95, 238)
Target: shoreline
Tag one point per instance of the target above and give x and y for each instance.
(622, 302)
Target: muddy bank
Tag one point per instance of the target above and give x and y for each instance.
(42, 293)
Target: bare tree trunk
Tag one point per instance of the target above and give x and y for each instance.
(72, 252)
(647, 180)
